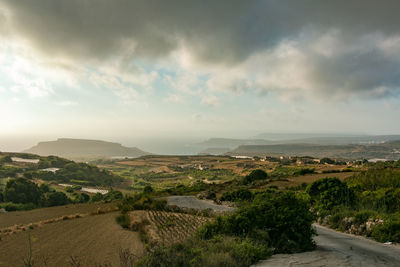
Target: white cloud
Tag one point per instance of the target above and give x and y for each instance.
(210, 100)
(173, 98)
(67, 103)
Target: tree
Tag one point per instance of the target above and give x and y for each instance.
(281, 220)
(113, 195)
(44, 188)
(97, 197)
(6, 159)
(21, 190)
(330, 192)
(147, 190)
(57, 199)
(255, 175)
(327, 161)
(83, 198)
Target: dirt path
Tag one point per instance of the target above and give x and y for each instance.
(338, 249)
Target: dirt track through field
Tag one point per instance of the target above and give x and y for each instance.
(90, 240)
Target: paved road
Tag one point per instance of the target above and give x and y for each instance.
(194, 203)
(338, 249)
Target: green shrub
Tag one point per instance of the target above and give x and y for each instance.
(9, 206)
(363, 216)
(21, 190)
(44, 188)
(124, 220)
(216, 252)
(389, 230)
(57, 199)
(147, 190)
(237, 195)
(330, 192)
(83, 198)
(69, 189)
(336, 220)
(96, 197)
(113, 195)
(281, 220)
(211, 195)
(375, 179)
(254, 176)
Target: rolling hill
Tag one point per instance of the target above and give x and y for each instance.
(81, 149)
(389, 150)
(228, 143)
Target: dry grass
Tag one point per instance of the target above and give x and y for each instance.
(164, 228)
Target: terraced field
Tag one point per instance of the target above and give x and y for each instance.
(165, 228)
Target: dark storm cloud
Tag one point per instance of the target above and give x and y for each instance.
(220, 32)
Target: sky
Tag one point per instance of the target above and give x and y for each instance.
(129, 71)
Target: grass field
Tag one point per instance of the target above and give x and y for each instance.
(88, 241)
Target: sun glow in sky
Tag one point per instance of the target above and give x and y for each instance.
(125, 70)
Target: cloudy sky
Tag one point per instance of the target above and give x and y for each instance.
(121, 70)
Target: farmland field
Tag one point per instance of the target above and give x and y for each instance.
(298, 180)
(36, 215)
(90, 240)
(163, 228)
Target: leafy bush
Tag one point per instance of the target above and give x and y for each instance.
(57, 199)
(363, 216)
(385, 200)
(254, 176)
(185, 190)
(211, 195)
(141, 202)
(82, 198)
(218, 251)
(330, 192)
(9, 206)
(238, 195)
(69, 189)
(124, 220)
(74, 172)
(44, 188)
(281, 220)
(375, 179)
(283, 172)
(389, 230)
(21, 190)
(147, 190)
(96, 197)
(113, 195)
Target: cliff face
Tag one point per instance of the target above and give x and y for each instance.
(80, 148)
